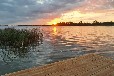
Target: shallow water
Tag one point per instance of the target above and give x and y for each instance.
(61, 42)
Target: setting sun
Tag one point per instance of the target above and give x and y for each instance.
(54, 23)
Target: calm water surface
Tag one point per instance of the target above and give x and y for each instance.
(61, 42)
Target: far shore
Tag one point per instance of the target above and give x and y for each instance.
(95, 23)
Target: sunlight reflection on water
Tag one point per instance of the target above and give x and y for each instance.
(84, 39)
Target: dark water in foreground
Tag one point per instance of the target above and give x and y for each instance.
(61, 42)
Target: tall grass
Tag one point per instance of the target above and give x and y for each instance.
(19, 38)
(19, 41)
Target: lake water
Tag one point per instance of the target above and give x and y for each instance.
(61, 42)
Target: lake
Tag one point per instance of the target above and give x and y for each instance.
(59, 43)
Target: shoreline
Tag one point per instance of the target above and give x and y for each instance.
(86, 65)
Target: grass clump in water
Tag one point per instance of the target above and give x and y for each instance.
(13, 38)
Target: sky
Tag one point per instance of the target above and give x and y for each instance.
(53, 11)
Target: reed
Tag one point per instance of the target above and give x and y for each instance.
(13, 38)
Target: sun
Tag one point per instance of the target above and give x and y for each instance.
(54, 23)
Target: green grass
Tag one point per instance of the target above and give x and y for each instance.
(13, 38)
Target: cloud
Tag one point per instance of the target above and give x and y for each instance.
(14, 11)
(93, 5)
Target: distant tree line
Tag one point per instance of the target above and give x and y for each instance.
(81, 23)
(95, 23)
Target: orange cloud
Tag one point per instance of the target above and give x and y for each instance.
(76, 16)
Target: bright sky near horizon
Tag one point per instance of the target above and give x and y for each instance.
(54, 11)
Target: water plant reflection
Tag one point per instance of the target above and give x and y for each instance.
(17, 43)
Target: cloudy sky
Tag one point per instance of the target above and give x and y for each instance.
(53, 11)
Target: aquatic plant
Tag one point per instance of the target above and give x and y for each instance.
(19, 38)
(19, 42)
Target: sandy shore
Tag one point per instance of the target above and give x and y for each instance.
(87, 65)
